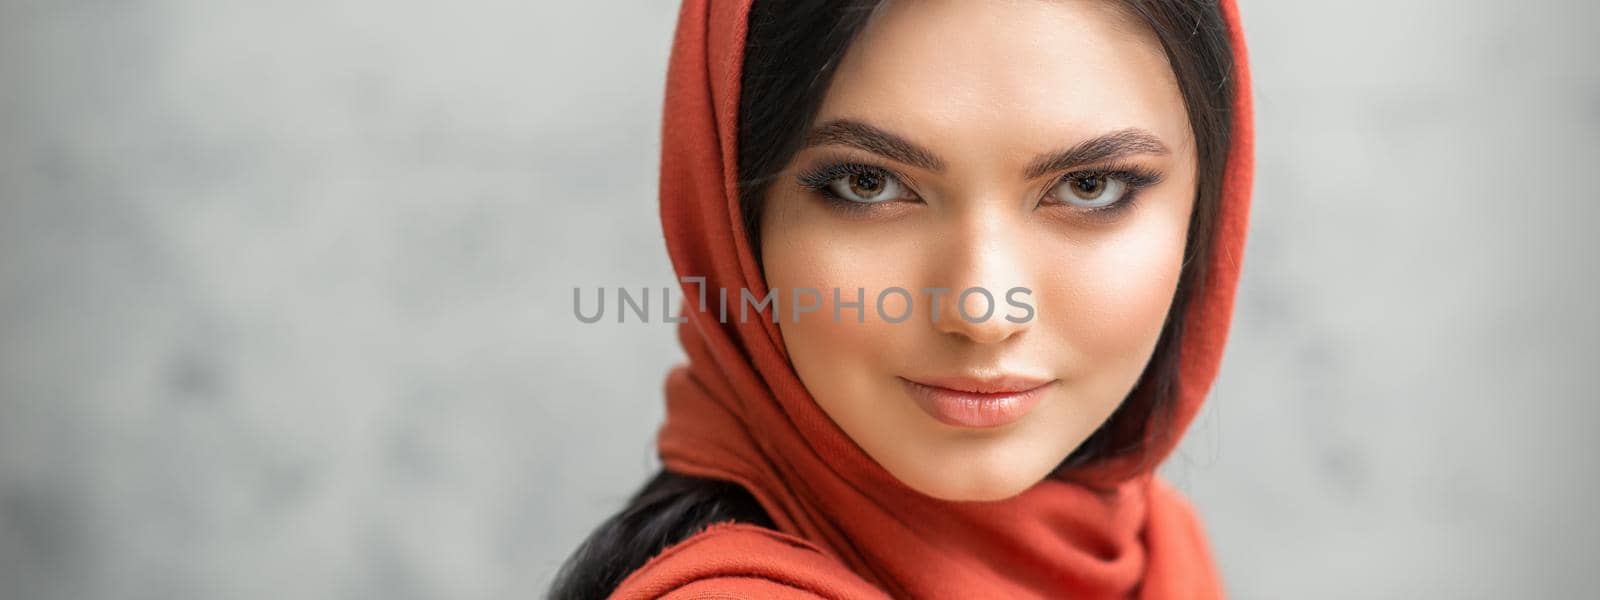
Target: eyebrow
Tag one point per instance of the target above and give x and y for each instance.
(1117, 144)
(854, 133)
(1111, 146)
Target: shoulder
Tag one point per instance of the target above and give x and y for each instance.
(738, 561)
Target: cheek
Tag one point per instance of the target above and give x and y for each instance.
(1109, 305)
(825, 256)
(844, 363)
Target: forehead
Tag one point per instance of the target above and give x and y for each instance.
(1008, 77)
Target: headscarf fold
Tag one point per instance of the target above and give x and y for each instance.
(738, 412)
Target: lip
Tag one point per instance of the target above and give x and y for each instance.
(977, 403)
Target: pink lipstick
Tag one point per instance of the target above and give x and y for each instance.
(977, 403)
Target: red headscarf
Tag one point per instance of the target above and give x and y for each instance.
(847, 528)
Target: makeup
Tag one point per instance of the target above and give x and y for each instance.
(977, 403)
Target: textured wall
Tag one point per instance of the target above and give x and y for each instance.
(285, 298)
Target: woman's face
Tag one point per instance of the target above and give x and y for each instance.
(1029, 144)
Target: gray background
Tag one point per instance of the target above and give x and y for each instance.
(285, 298)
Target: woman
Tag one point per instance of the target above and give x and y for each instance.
(1083, 165)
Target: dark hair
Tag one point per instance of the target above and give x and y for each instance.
(791, 51)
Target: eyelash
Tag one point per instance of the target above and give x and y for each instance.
(1135, 177)
(818, 178)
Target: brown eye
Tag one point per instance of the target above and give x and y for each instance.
(1089, 190)
(867, 188)
(866, 185)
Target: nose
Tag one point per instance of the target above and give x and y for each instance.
(983, 264)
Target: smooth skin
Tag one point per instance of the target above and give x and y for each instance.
(953, 101)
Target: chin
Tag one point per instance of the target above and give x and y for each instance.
(980, 488)
(983, 477)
